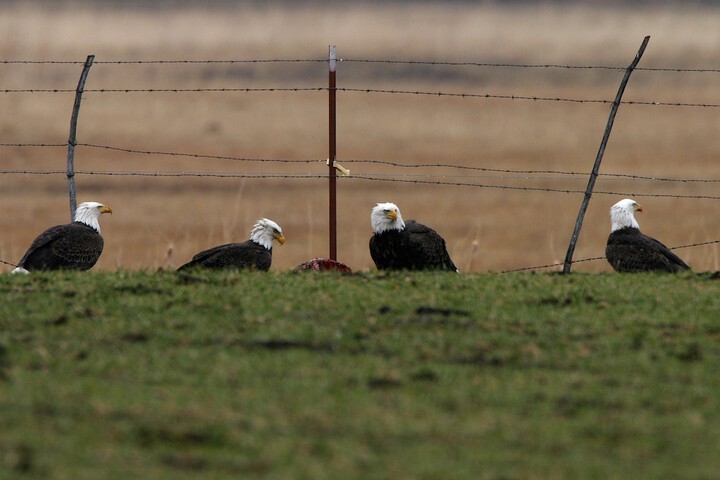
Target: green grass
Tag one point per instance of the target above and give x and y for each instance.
(370, 376)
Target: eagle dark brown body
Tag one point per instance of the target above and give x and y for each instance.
(629, 250)
(74, 246)
(416, 247)
(248, 255)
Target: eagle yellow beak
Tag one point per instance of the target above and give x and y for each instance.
(280, 238)
(106, 209)
(638, 207)
(392, 214)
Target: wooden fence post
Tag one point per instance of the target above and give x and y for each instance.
(598, 159)
(73, 133)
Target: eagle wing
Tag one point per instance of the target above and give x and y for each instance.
(668, 254)
(426, 247)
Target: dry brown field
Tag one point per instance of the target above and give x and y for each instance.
(161, 221)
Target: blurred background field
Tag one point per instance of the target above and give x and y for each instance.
(160, 222)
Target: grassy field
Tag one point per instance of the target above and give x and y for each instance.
(163, 221)
(368, 376)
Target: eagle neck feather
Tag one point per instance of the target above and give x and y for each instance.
(89, 218)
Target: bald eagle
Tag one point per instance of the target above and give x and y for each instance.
(255, 253)
(74, 246)
(629, 250)
(400, 245)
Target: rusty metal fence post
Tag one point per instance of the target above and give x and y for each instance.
(332, 175)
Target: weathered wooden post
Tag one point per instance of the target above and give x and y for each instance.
(73, 133)
(598, 158)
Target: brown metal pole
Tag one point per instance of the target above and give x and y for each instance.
(332, 176)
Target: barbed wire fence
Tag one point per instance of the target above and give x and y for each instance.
(439, 179)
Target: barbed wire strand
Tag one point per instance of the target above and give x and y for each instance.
(535, 189)
(533, 66)
(8, 263)
(487, 96)
(309, 176)
(530, 171)
(33, 145)
(368, 61)
(521, 172)
(166, 90)
(197, 155)
(161, 62)
(297, 175)
(524, 97)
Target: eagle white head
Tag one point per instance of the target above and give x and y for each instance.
(89, 214)
(386, 216)
(265, 231)
(622, 214)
